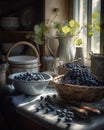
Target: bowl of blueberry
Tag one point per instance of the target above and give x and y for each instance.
(30, 83)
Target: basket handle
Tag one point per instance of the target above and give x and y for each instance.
(57, 77)
(20, 43)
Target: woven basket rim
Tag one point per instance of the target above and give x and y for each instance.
(70, 92)
(61, 66)
(55, 80)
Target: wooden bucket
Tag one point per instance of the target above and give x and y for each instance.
(23, 63)
(97, 65)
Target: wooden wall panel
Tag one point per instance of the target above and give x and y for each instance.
(63, 14)
(61, 4)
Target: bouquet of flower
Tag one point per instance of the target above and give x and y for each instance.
(63, 29)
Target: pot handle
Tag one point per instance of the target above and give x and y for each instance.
(49, 49)
(20, 43)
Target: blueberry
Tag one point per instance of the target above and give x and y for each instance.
(68, 119)
(42, 105)
(54, 96)
(78, 75)
(64, 110)
(38, 109)
(51, 107)
(68, 124)
(47, 110)
(58, 112)
(41, 98)
(61, 115)
(58, 119)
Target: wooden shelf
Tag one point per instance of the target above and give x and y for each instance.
(13, 36)
(25, 10)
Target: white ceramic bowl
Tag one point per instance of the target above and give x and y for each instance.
(30, 87)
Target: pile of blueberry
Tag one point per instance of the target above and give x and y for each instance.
(29, 76)
(79, 76)
(64, 114)
(71, 65)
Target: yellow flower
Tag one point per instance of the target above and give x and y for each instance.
(71, 23)
(78, 41)
(65, 29)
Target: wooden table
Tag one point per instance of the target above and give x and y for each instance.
(25, 107)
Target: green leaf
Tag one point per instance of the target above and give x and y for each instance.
(90, 26)
(90, 33)
(37, 29)
(97, 27)
(77, 24)
(38, 40)
(57, 25)
(94, 15)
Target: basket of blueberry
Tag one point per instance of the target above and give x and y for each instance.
(30, 83)
(78, 84)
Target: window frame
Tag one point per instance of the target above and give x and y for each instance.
(76, 7)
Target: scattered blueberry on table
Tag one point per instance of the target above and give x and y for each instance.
(47, 105)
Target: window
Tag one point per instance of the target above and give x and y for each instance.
(82, 12)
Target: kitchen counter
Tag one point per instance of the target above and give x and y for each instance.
(26, 106)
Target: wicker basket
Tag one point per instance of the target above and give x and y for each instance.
(62, 70)
(69, 92)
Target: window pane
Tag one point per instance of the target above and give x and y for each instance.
(96, 38)
(83, 13)
(83, 21)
